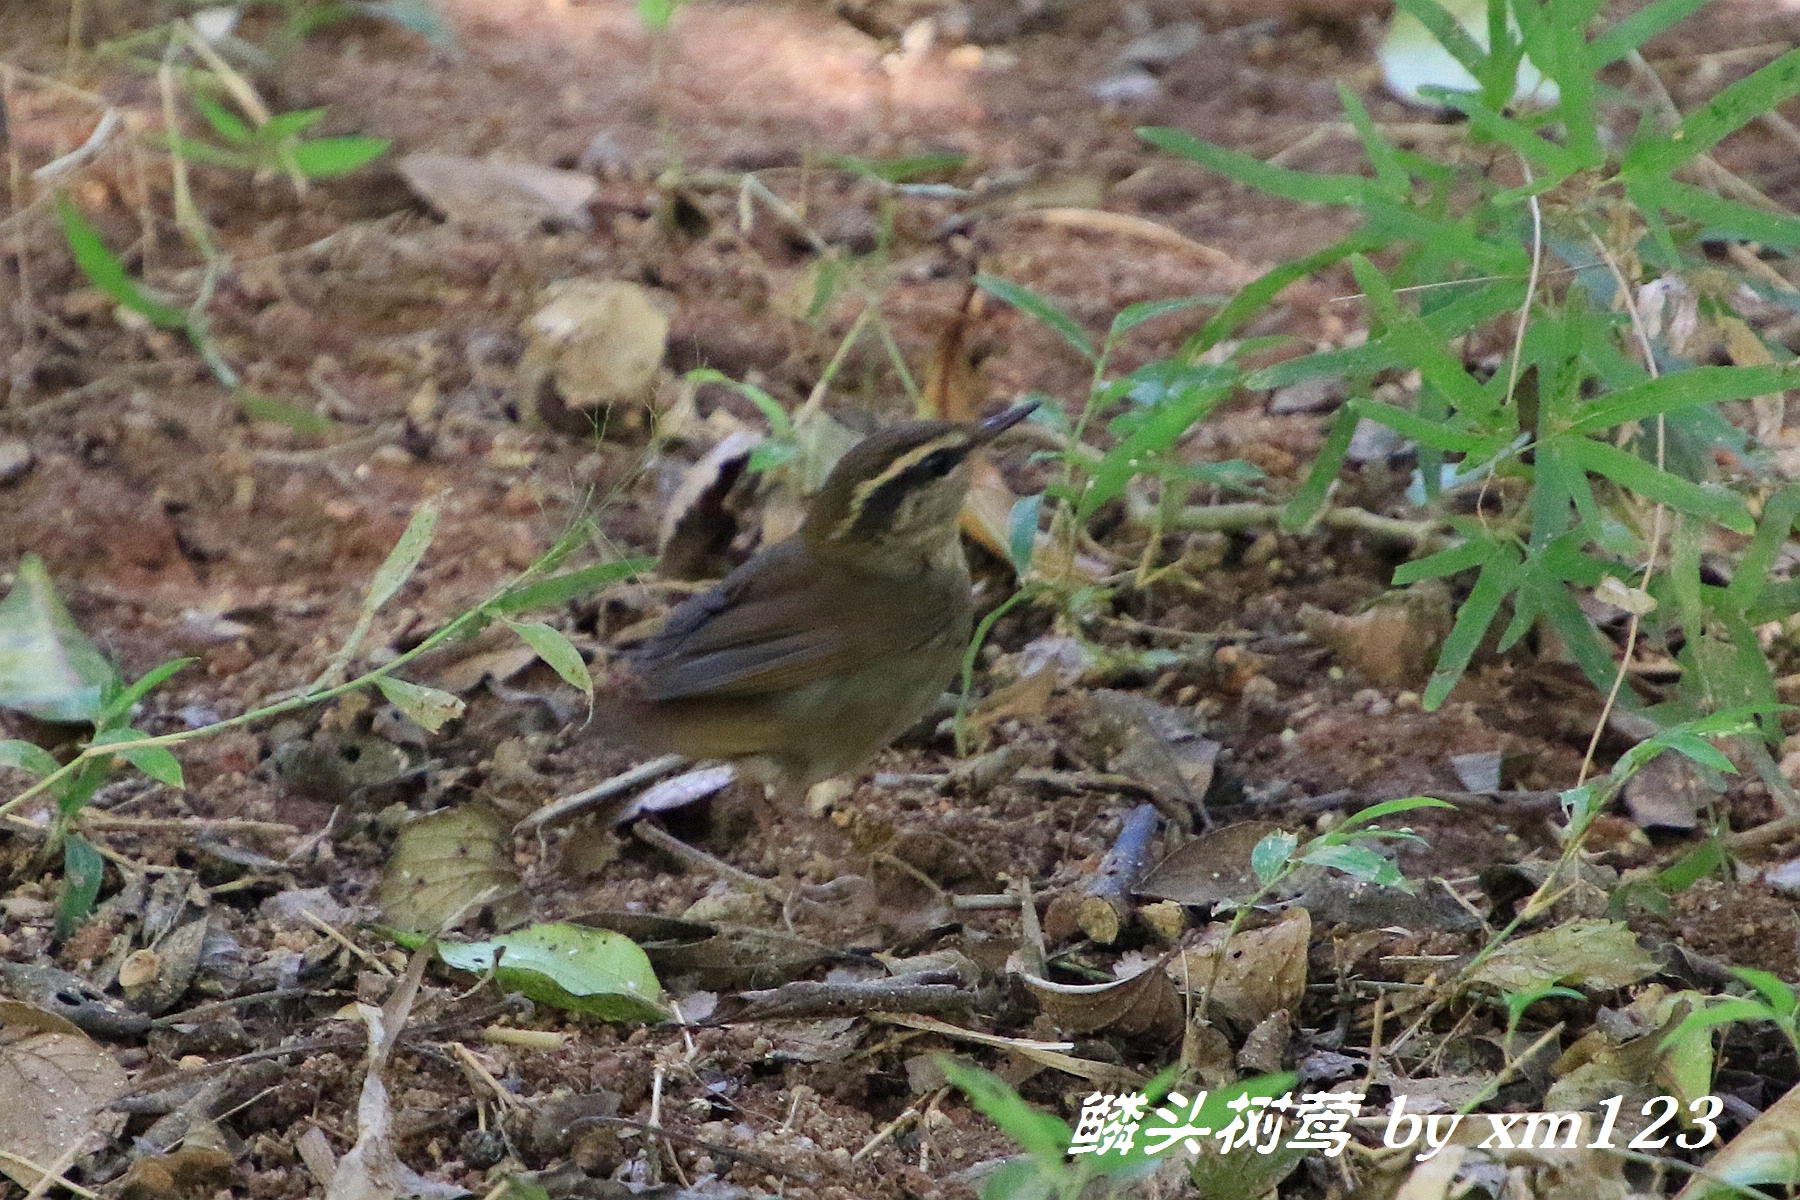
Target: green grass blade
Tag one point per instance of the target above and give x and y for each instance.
(1684, 389)
(1351, 190)
(1026, 300)
(1616, 41)
(1730, 110)
(1498, 579)
(1629, 471)
(106, 272)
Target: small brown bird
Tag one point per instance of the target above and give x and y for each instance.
(825, 647)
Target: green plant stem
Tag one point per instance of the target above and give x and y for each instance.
(473, 617)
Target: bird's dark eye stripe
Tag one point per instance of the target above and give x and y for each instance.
(878, 508)
(938, 462)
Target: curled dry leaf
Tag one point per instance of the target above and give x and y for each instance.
(446, 865)
(1146, 1004)
(1393, 642)
(1766, 1153)
(698, 526)
(55, 1086)
(1262, 970)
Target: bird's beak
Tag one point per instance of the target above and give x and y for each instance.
(999, 423)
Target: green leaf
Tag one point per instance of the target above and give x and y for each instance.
(570, 967)
(1730, 110)
(1752, 572)
(405, 557)
(1708, 858)
(27, 757)
(554, 648)
(897, 170)
(223, 122)
(1315, 493)
(1021, 532)
(1498, 579)
(1026, 300)
(1716, 215)
(1133, 315)
(121, 704)
(1459, 316)
(1435, 363)
(656, 14)
(323, 158)
(430, 708)
(259, 407)
(1358, 862)
(1256, 295)
(195, 150)
(83, 870)
(1389, 173)
(1420, 429)
(1460, 557)
(48, 667)
(1724, 1012)
(1553, 161)
(1039, 1134)
(1388, 808)
(1629, 471)
(106, 272)
(155, 761)
(1779, 995)
(1684, 389)
(1200, 391)
(571, 585)
(290, 124)
(1269, 856)
(1621, 38)
(1343, 190)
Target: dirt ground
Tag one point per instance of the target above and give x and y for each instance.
(175, 525)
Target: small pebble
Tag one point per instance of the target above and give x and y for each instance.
(16, 461)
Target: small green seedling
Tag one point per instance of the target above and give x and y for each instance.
(277, 145)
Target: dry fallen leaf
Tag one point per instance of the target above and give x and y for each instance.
(1263, 970)
(449, 863)
(55, 1086)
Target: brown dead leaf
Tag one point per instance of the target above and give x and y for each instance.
(1263, 970)
(1145, 1004)
(591, 343)
(55, 1086)
(494, 192)
(1394, 641)
(1213, 867)
(448, 864)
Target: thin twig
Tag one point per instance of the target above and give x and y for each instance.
(662, 839)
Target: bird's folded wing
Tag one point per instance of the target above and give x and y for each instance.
(758, 633)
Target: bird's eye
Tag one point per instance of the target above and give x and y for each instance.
(940, 462)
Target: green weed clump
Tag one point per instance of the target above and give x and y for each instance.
(1576, 240)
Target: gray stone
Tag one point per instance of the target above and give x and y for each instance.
(1322, 393)
(16, 460)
